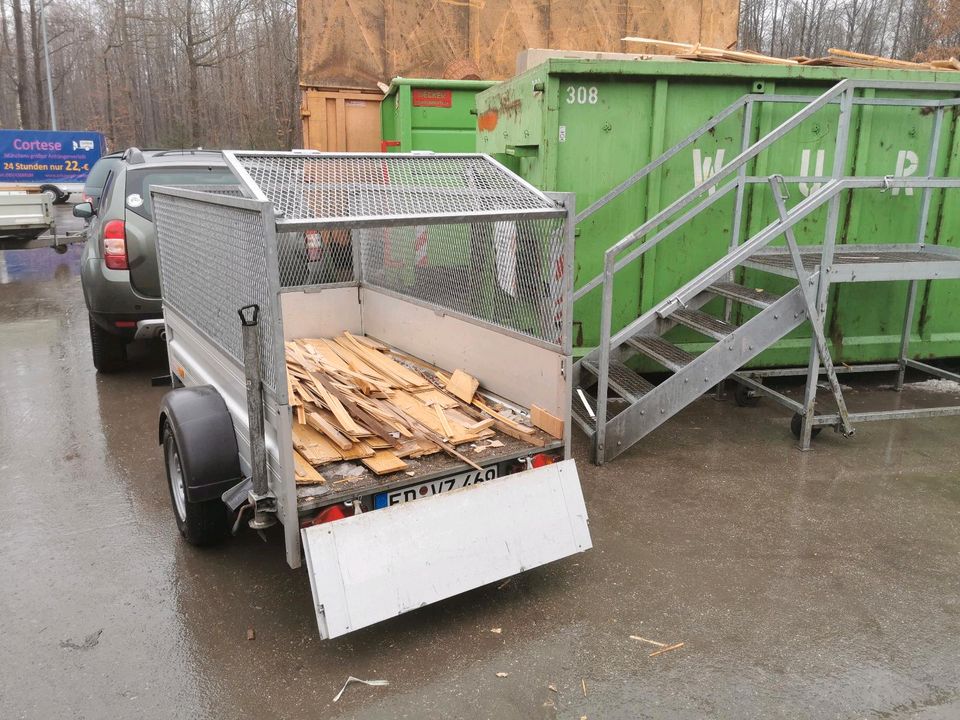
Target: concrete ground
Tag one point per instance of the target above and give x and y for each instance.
(804, 585)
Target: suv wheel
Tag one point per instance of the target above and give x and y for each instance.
(109, 350)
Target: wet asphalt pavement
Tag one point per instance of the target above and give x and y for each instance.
(804, 585)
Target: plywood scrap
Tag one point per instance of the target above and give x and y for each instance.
(321, 424)
(462, 385)
(550, 424)
(384, 462)
(314, 446)
(304, 473)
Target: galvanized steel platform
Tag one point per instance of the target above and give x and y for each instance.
(866, 263)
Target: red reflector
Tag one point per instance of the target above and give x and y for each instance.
(541, 459)
(115, 245)
(125, 323)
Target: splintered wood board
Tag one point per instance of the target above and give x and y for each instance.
(384, 462)
(315, 447)
(462, 385)
(303, 472)
(359, 451)
(434, 396)
(550, 424)
(318, 422)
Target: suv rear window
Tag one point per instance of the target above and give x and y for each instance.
(138, 199)
(98, 173)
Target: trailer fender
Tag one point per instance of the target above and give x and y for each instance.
(206, 440)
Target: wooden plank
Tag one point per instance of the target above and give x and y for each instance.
(317, 422)
(447, 430)
(336, 407)
(386, 364)
(358, 451)
(550, 424)
(315, 447)
(432, 396)
(462, 385)
(304, 473)
(502, 418)
(384, 462)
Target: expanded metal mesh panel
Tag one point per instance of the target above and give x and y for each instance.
(315, 257)
(507, 273)
(213, 261)
(318, 187)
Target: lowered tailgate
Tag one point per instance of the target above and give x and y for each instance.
(382, 563)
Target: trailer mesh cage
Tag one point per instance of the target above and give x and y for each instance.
(457, 233)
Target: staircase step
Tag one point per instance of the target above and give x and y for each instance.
(622, 380)
(704, 324)
(749, 296)
(580, 414)
(664, 352)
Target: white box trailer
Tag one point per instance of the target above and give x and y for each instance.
(451, 259)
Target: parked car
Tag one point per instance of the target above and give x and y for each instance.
(119, 273)
(93, 187)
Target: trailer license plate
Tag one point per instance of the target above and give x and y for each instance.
(433, 487)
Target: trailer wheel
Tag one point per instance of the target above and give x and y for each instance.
(58, 196)
(109, 350)
(745, 397)
(796, 425)
(200, 523)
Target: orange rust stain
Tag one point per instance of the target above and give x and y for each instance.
(488, 120)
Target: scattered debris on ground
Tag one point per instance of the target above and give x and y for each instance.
(668, 648)
(352, 679)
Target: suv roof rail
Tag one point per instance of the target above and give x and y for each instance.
(190, 151)
(133, 156)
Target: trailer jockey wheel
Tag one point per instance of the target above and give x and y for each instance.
(745, 397)
(200, 523)
(796, 425)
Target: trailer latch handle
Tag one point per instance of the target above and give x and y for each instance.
(249, 315)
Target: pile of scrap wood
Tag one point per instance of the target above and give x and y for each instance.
(355, 399)
(835, 57)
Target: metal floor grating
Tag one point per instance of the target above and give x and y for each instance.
(750, 296)
(811, 257)
(624, 381)
(664, 352)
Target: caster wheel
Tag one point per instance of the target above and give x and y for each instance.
(745, 397)
(796, 424)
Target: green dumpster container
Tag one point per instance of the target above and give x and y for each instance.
(437, 115)
(585, 126)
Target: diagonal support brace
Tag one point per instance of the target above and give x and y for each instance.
(778, 188)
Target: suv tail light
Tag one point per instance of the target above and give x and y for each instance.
(115, 245)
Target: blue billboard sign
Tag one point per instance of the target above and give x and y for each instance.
(43, 156)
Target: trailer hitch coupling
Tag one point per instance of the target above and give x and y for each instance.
(264, 503)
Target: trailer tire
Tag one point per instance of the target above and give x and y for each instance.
(58, 196)
(200, 523)
(109, 350)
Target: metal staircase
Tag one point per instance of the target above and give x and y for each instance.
(624, 406)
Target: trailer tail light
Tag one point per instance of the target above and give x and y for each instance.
(541, 459)
(329, 514)
(115, 245)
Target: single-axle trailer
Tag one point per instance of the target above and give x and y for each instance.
(449, 260)
(27, 221)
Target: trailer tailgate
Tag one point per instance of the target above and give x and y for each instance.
(382, 563)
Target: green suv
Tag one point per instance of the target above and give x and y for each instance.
(119, 273)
